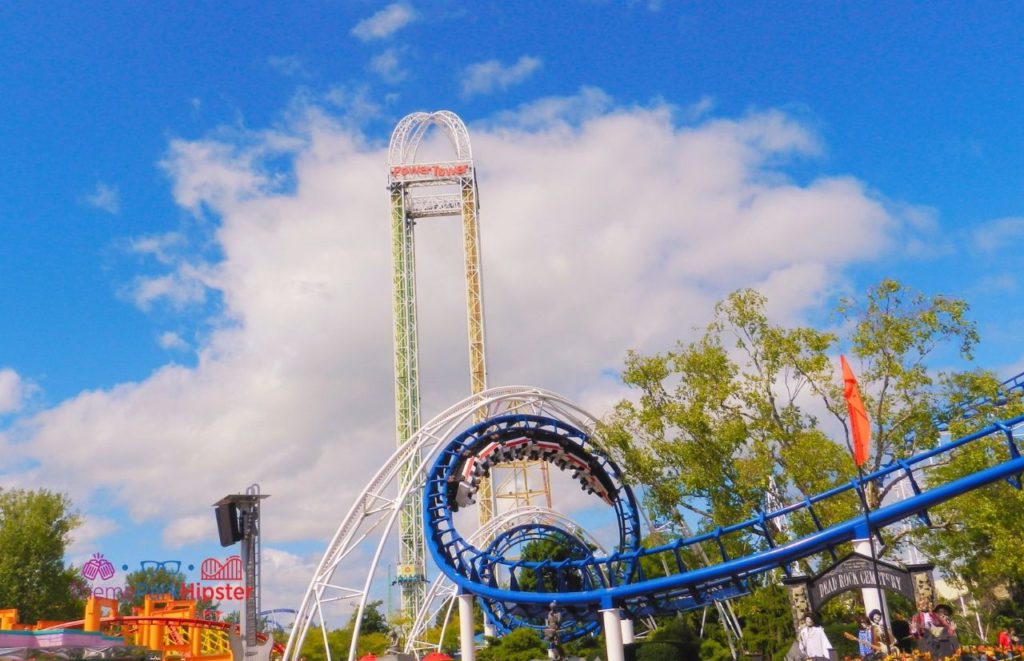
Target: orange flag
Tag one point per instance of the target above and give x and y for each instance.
(859, 423)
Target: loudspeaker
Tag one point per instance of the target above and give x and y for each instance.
(227, 524)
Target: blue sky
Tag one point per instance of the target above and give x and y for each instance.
(166, 170)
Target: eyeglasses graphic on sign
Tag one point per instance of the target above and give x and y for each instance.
(172, 566)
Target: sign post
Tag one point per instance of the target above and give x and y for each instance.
(245, 528)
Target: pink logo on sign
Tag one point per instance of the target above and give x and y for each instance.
(98, 566)
(213, 569)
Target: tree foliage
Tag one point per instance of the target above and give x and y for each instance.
(35, 529)
(374, 621)
(519, 645)
(722, 421)
(374, 636)
(978, 535)
(545, 579)
(751, 415)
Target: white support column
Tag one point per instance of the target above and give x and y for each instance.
(613, 634)
(466, 627)
(869, 595)
(489, 629)
(627, 631)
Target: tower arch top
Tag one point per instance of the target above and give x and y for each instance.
(406, 138)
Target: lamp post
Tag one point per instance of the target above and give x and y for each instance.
(238, 520)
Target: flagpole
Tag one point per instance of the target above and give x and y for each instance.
(860, 429)
(874, 559)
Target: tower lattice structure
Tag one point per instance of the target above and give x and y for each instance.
(436, 190)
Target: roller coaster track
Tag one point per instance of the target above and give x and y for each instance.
(617, 580)
(454, 451)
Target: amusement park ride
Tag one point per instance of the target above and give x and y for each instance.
(162, 627)
(446, 466)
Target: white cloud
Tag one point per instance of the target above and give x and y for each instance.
(162, 247)
(171, 340)
(213, 172)
(492, 75)
(388, 66)
(384, 23)
(562, 112)
(188, 530)
(288, 65)
(995, 235)
(603, 229)
(284, 577)
(106, 198)
(186, 286)
(12, 391)
(85, 538)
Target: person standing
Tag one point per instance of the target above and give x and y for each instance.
(812, 640)
(947, 642)
(864, 648)
(935, 631)
(881, 637)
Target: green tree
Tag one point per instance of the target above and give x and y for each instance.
(314, 649)
(677, 634)
(553, 550)
(728, 425)
(373, 621)
(761, 613)
(722, 421)
(519, 645)
(978, 535)
(35, 529)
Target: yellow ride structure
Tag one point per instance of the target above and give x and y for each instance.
(162, 624)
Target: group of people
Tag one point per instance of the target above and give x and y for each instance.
(935, 630)
(932, 630)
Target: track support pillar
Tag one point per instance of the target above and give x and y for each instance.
(613, 634)
(873, 597)
(466, 627)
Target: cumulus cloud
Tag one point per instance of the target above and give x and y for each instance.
(186, 286)
(165, 248)
(388, 66)
(995, 235)
(85, 539)
(603, 229)
(106, 198)
(171, 340)
(492, 75)
(12, 391)
(384, 23)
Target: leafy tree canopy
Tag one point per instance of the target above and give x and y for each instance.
(751, 415)
(519, 645)
(732, 417)
(374, 621)
(35, 529)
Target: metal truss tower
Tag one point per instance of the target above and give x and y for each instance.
(427, 190)
(433, 190)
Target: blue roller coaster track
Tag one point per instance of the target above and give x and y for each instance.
(518, 592)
